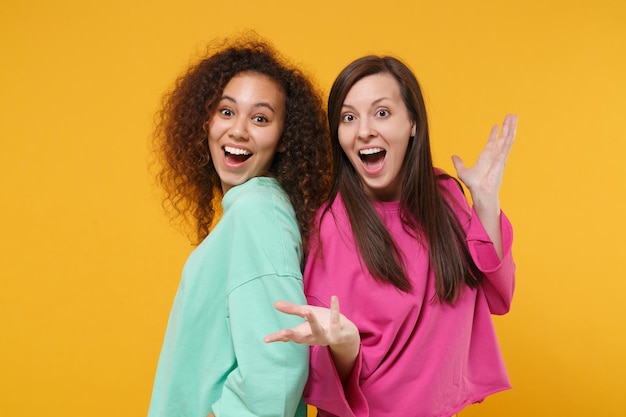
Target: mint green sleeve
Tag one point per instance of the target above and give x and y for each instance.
(269, 378)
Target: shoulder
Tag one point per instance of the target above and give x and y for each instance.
(449, 184)
(447, 181)
(332, 213)
(452, 191)
(256, 199)
(260, 212)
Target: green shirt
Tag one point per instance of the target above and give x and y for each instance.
(213, 357)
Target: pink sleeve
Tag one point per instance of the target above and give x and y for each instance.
(325, 391)
(499, 282)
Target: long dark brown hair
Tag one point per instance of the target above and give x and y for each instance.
(424, 210)
(186, 171)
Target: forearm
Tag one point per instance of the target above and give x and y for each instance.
(344, 358)
(488, 211)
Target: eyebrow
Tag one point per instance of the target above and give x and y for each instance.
(374, 103)
(255, 105)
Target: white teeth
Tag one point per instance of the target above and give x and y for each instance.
(236, 151)
(370, 151)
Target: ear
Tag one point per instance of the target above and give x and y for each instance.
(413, 129)
(281, 147)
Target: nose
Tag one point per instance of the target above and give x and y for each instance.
(239, 129)
(366, 130)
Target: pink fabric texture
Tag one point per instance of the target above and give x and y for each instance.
(418, 357)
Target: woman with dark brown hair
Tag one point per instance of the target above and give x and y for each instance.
(244, 128)
(418, 271)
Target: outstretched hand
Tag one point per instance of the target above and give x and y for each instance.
(484, 178)
(323, 326)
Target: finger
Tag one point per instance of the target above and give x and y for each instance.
(335, 315)
(271, 338)
(311, 318)
(289, 308)
(511, 128)
(280, 336)
(493, 135)
(458, 163)
(316, 328)
(506, 124)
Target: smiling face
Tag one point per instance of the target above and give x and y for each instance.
(374, 133)
(246, 127)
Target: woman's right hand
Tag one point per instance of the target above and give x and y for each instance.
(325, 327)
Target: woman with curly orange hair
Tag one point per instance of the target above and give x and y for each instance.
(244, 127)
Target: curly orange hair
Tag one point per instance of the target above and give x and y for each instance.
(187, 174)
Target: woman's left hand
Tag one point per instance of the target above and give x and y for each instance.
(484, 178)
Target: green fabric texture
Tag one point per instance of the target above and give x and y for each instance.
(213, 357)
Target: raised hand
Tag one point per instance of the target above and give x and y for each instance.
(484, 178)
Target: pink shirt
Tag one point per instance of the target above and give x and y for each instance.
(418, 357)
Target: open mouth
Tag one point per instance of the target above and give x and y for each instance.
(372, 157)
(236, 155)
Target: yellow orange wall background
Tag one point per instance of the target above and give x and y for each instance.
(89, 263)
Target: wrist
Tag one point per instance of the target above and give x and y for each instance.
(349, 344)
(486, 203)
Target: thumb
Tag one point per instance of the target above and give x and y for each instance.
(459, 165)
